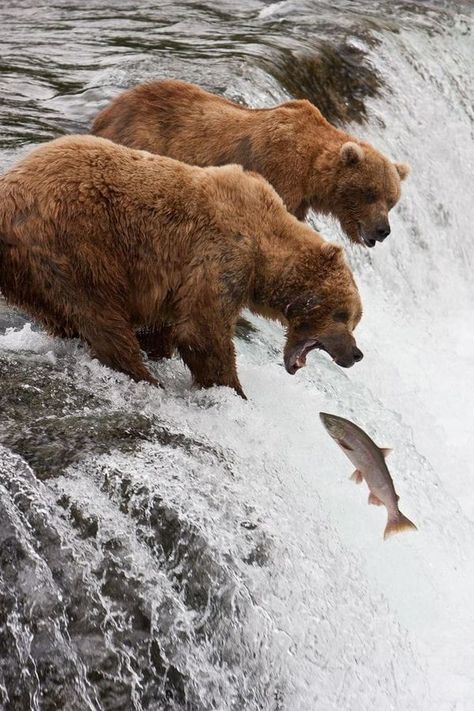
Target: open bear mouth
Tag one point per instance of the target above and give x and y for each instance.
(296, 358)
(364, 238)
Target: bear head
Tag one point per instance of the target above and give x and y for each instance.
(324, 314)
(366, 188)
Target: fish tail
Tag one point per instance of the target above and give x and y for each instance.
(398, 524)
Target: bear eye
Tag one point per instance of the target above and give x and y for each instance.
(370, 196)
(341, 315)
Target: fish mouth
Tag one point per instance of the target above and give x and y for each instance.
(364, 237)
(296, 357)
(328, 420)
(335, 425)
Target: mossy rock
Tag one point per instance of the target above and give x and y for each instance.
(336, 79)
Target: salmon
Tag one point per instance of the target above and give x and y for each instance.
(370, 464)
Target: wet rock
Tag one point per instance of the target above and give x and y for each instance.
(337, 79)
(43, 421)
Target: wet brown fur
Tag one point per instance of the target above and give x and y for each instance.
(102, 239)
(292, 146)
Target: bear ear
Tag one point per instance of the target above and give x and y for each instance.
(403, 170)
(351, 153)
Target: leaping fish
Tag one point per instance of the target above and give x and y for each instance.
(370, 464)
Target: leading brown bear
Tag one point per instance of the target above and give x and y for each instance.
(309, 162)
(97, 239)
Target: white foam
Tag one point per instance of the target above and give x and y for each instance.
(25, 339)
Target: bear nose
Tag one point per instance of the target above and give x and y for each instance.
(358, 355)
(382, 232)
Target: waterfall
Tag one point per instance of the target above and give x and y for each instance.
(185, 549)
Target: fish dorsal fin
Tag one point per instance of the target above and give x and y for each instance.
(385, 451)
(344, 445)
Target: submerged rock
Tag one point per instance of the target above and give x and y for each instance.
(106, 585)
(337, 79)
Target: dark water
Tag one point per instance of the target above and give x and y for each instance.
(60, 62)
(138, 548)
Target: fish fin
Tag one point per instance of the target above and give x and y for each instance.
(344, 445)
(385, 451)
(396, 525)
(375, 500)
(357, 476)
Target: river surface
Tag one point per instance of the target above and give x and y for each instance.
(185, 550)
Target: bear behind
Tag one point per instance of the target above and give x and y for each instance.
(309, 162)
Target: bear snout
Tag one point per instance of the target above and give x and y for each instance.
(348, 359)
(374, 233)
(382, 231)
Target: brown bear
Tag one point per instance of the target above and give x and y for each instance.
(99, 239)
(309, 162)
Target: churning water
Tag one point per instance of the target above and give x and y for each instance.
(188, 550)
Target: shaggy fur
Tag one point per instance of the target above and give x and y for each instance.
(98, 240)
(309, 162)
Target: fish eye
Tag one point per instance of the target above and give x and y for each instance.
(341, 315)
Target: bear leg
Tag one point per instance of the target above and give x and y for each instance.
(114, 343)
(212, 363)
(58, 330)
